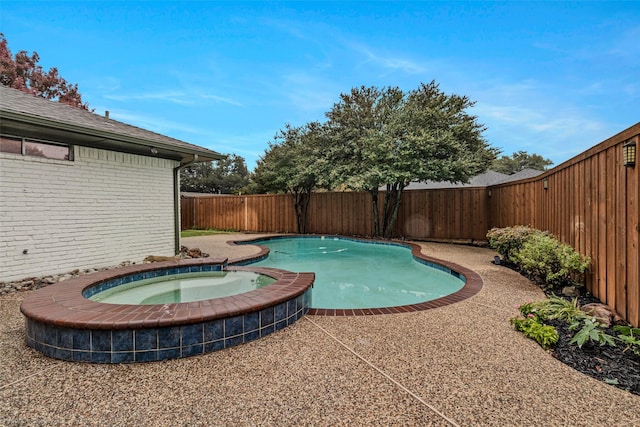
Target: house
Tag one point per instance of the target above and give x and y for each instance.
(485, 179)
(80, 190)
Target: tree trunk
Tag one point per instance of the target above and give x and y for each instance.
(301, 201)
(376, 215)
(392, 203)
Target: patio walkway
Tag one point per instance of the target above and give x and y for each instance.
(460, 365)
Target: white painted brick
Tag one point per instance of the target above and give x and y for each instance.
(99, 210)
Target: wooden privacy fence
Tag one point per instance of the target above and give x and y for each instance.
(425, 214)
(589, 202)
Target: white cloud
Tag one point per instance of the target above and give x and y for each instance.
(250, 146)
(221, 99)
(176, 97)
(386, 61)
(181, 97)
(537, 117)
(309, 92)
(156, 123)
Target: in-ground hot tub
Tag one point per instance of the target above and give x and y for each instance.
(61, 321)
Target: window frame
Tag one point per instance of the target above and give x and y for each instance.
(23, 147)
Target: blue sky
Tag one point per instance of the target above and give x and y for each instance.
(552, 78)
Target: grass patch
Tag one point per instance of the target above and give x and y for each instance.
(209, 232)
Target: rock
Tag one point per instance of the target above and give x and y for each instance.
(195, 253)
(50, 280)
(602, 313)
(570, 291)
(160, 258)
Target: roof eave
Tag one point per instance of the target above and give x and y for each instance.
(43, 128)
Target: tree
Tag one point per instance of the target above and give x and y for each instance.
(294, 164)
(363, 139)
(384, 137)
(24, 73)
(519, 161)
(226, 176)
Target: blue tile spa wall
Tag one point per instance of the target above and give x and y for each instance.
(152, 344)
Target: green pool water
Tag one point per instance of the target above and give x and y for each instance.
(356, 274)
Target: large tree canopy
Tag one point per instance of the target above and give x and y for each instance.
(377, 138)
(227, 176)
(22, 72)
(384, 137)
(519, 161)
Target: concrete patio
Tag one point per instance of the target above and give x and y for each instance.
(460, 365)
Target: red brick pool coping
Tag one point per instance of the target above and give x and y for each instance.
(473, 281)
(63, 304)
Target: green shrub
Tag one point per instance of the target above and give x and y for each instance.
(554, 308)
(630, 337)
(550, 261)
(508, 241)
(591, 331)
(544, 335)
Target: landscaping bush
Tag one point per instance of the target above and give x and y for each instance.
(550, 261)
(508, 241)
(580, 341)
(544, 335)
(539, 255)
(553, 308)
(630, 337)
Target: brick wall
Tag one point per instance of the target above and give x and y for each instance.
(98, 210)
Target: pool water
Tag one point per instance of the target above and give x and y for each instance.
(355, 274)
(186, 287)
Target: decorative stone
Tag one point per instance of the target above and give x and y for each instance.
(31, 283)
(160, 258)
(194, 253)
(602, 313)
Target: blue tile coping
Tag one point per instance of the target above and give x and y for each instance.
(62, 323)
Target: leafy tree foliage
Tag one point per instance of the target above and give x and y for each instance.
(22, 72)
(377, 138)
(227, 176)
(294, 164)
(364, 141)
(519, 161)
(384, 137)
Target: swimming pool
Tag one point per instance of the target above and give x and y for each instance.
(354, 274)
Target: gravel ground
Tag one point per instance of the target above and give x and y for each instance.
(457, 365)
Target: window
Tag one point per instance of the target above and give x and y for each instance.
(37, 148)
(10, 145)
